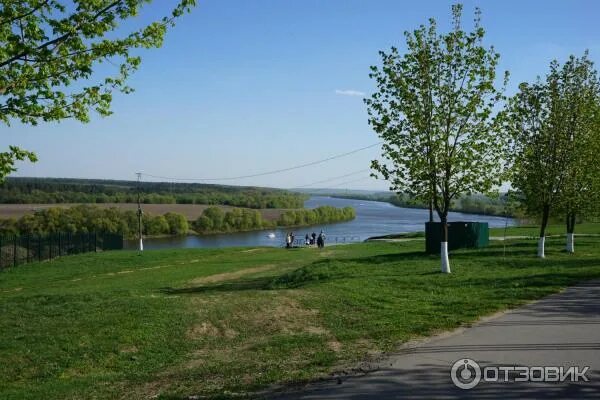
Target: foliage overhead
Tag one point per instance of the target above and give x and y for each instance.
(50, 53)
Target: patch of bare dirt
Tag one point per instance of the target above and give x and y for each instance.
(226, 276)
(334, 345)
(203, 329)
(252, 250)
(131, 349)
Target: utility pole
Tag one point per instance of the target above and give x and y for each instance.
(139, 212)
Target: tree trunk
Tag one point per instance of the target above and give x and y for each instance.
(430, 210)
(444, 245)
(542, 240)
(570, 232)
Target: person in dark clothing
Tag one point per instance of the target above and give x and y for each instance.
(306, 240)
(314, 238)
(321, 240)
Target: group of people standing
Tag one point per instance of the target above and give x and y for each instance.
(309, 240)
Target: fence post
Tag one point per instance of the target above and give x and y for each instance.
(28, 247)
(95, 242)
(14, 250)
(59, 246)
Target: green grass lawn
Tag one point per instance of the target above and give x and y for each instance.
(553, 229)
(176, 323)
(531, 231)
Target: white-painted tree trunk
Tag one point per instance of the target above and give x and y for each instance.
(540, 249)
(570, 243)
(445, 260)
(141, 247)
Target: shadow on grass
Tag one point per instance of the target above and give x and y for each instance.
(423, 381)
(262, 283)
(520, 257)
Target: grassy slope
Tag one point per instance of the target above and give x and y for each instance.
(182, 322)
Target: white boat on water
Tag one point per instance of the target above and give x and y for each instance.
(271, 235)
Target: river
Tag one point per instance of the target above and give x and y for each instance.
(373, 218)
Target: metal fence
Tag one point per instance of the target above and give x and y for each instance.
(17, 250)
(301, 242)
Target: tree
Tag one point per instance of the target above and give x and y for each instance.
(581, 100)
(216, 216)
(202, 224)
(433, 108)
(51, 49)
(178, 224)
(551, 122)
(155, 225)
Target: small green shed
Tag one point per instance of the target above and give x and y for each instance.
(460, 235)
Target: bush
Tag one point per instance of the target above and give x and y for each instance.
(213, 219)
(320, 215)
(178, 224)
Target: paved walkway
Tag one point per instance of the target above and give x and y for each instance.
(560, 330)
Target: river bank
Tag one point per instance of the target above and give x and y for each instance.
(373, 218)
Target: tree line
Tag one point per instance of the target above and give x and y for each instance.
(319, 215)
(449, 130)
(214, 219)
(90, 218)
(58, 191)
(473, 204)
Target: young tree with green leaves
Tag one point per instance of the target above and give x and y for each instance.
(537, 173)
(552, 125)
(50, 51)
(434, 110)
(581, 102)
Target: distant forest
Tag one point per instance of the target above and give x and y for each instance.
(58, 190)
(475, 204)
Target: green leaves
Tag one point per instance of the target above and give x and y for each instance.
(555, 128)
(9, 158)
(434, 109)
(50, 51)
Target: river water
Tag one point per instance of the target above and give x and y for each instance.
(373, 218)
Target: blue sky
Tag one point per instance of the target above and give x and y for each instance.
(243, 87)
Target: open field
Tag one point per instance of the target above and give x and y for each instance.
(190, 211)
(175, 323)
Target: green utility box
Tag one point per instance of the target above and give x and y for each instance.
(460, 235)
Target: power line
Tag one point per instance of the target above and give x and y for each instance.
(352, 181)
(277, 171)
(331, 179)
